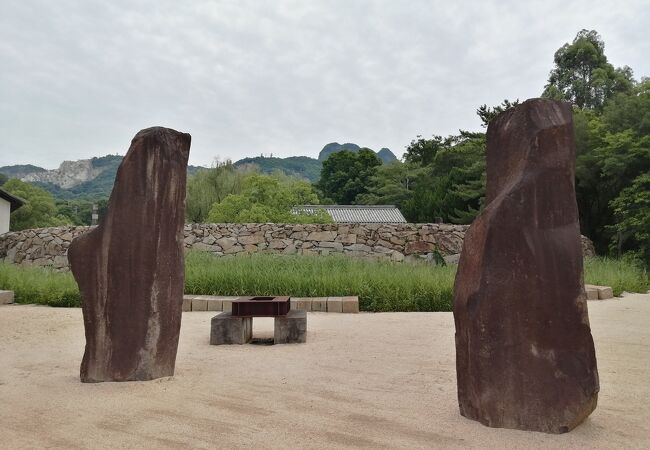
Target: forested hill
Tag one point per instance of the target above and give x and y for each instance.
(87, 178)
(384, 154)
(93, 178)
(20, 170)
(298, 166)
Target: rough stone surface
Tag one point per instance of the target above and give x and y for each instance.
(6, 297)
(319, 304)
(524, 352)
(228, 329)
(199, 304)
(130, 267)
(350, 305)
(592, 293)
(291, 329)
(301, 303)
(386, 241)
(334, 304)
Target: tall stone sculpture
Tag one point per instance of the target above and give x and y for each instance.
(130, 268)
(524, 353)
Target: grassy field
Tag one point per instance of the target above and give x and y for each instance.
(380, 285)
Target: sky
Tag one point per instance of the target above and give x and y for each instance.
(244, 77)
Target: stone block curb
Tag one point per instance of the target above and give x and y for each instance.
(6, 297)
(319, 304)
(604, 292)
(335, 304)
(309, 304)
(350, 305)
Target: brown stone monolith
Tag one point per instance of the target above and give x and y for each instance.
(130, 268)
(524, 353)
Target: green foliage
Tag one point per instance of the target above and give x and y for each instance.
(3, 179)
(487, 114)
(632, 213)
(268, 199)
(39, 209)
(613, 150)
(380, 285)
(78, 212)
(442, 179)
(393, 184)
(210, 186)
(347, 174)
(582, 74)
(423, 151)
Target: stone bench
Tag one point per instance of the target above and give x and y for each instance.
(6, 297)
(228, 329)
(309, 304)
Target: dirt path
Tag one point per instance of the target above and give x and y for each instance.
(366, 380)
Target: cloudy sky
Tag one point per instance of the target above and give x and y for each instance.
(80, 78)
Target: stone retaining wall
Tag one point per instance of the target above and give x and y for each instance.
(49, 246)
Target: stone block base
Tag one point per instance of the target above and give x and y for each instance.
(291, 329)
(350, 305)
(227, 329)
(603, 292)
(6, 297)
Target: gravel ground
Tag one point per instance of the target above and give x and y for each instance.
(362, 380)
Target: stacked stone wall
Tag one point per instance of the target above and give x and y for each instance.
(396, 242)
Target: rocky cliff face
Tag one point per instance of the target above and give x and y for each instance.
(69, 174)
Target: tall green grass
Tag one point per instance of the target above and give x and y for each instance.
(380, 285)
(39, 285)
(622, 275)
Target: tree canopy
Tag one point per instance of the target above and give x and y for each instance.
(210, 186)
(346, 175)
(39, 209)
(582, 74)
(268, 199)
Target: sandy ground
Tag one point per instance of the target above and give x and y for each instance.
(366, 380)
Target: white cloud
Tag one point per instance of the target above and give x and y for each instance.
(79, 79)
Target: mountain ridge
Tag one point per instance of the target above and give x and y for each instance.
(94, 177)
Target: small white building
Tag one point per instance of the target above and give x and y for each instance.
(8, 204)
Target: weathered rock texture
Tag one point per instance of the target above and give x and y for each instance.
(130, 267)
(524, 352)
(397, 242)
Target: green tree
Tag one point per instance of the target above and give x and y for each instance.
(583, 75)
(3, 179)
(487, 114)
(346, 175)
(452, 188)
(39, 209)
(78, 211)
(268, 199)
(393, 184)
(423, 151)
(210, 186)
(632, 212)
(613, 148)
